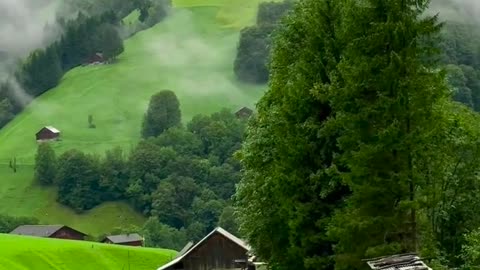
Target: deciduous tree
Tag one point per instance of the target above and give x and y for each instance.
(163, 113)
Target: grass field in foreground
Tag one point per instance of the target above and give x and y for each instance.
(28, 253)
(191, 52)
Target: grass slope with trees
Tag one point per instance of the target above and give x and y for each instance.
(23, 253)
(191, 52)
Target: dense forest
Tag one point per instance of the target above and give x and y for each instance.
(357, 149)
(182, 177)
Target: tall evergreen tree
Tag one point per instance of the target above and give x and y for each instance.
(385, 107)
(287, 193)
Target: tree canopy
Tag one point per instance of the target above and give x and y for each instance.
(357, 150)
(163, 113)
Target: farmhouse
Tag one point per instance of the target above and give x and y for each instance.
(218, 250)
(48, 133)
(244, 113)
(96, 58)
(124, 239)
(398, 262)
(49, 231)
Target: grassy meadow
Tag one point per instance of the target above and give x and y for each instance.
(25, 253)
(191, 53)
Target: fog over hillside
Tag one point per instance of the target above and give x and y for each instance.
(23, 25)
(465, 11)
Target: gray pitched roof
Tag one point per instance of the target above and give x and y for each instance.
(219, 230)
(37, 230)
(398, 262)
(185, 249)
(124, 238)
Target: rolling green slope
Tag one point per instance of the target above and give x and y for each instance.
(28, 253)
(191, 52)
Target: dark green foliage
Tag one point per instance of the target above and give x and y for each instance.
(288, 193)
(228, 220)
(384, 99)
(9, 223)
(160, 235)
(254, 46)
(461, 53)
(45, 164)
(172, 200)
(221, 133)
(114, 175)
(41, 71)
(109, 41)
(272, 12)
(78, 180)
(163, 113)
(157, 11)
(253, 49)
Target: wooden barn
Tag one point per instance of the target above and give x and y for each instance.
(49, 231)
(133, 239)
(48, 133)
(218, 250)
(244, 113)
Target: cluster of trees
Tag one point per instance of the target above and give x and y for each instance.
(181, 176)
(462, 56)
(357, 149)
(153, 11)
(254, 46)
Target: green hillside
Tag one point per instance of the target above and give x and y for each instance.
(191, 52)
(26, 253)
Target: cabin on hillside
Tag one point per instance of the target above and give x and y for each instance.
(47, 133)
(408, 261)
(218, 250)
(244, 113)
(133, 239)
(49, 231)
(97, 58)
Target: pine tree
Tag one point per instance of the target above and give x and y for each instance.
(45, 164)
(385, 107)
(287, 193)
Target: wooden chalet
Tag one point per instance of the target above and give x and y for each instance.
(49, 231)
(97, 58)
(408, 261)
(133, 239)
(47, 133)
(244, 113)
(218, 250)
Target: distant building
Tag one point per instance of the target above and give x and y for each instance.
(48, 133)
(218, 250)
(96, 58)
(124, 239)
(398, 262)
(49, 231)
(244, 113)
